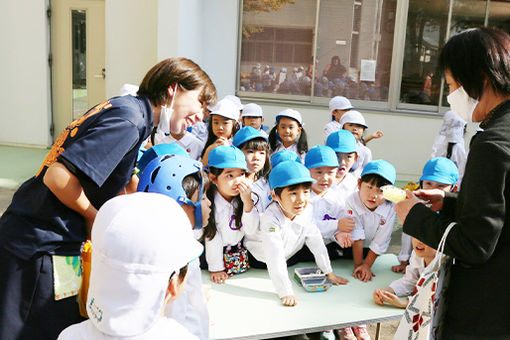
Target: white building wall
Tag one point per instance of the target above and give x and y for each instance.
(24, 72)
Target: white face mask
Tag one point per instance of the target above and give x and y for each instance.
(462, 104)
(166, 115)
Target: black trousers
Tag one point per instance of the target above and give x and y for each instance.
(337, 252)
(303, 255)
(28, 309)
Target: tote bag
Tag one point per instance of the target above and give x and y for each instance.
(418, 321)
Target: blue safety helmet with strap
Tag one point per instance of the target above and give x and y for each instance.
(160, 150)
(165, 174)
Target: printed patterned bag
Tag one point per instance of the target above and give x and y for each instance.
(420, 318)
(235, 259)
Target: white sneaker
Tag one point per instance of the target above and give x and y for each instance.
(328, 335)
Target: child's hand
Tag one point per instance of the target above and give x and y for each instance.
(244, 188)
(336, 280)
(222, 141)
(401, 268)
(219, 277)
(363, 273)
(378, 296)
(394, 300)
(344, 239)
(289, 300)
(346, 224)
(377, 134)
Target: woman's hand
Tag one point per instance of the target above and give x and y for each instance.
(434, 197)
(402, 208)
(219, 277)
(289, 300)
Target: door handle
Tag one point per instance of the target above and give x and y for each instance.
(102, 75)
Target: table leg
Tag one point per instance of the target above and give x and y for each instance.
(377, 330)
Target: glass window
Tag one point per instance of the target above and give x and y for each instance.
(79, 30)
(276, 46)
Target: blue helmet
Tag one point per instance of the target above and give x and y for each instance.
(160, 150)
(165, 174)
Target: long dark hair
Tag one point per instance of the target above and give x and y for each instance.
(210, 229)
(275, 141)
(259, 144)
(211, 137)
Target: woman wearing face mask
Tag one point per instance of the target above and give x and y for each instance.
(476, 64)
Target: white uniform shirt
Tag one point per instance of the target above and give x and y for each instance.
(263, 191)
(331, 127)
(200, 130)
(345, 188)
(326, 213)
(163, 329)
(364, 156)
(292, 148)
(189, 142)
(405, 285)
(374, 227)
(226, 232)
(279, 238)
(190, 309)
(407, 248)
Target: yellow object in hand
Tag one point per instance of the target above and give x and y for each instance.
(393, 194)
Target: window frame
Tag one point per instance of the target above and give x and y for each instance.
(392, 105)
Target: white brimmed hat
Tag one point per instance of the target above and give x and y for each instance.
(139, 241)
(252, 110)
(291, 113)
(235, 100)
(340, 103)
(353, 117)
(226, 108)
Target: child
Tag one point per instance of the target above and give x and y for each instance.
(200, 129)
(421, 257)
(450, 142)
(354, 122)
(187, 140)
(134, 277)
(222, 127)
(160, 150)
(253, 116)
(286, 226)
(232, 215)
(337, 106)
(288, 134)
(344, 144)
(254, 145)
(438, 173)
(327, 213)
(180, 178)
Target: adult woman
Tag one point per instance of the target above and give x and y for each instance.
(476, 65)
(334, 70)
(52, 213)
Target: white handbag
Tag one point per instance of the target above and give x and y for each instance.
(420, 320)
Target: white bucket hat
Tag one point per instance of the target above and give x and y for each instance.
(139, 241)
(340, 103)
(291, 113)
(226, 108)
(353, 117)
(235, 100)
(252, 110)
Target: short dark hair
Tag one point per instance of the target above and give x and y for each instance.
(375, 179)
(477, 53)
(306, 185)
(180, 71)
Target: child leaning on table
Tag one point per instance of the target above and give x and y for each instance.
(438, 173)
(286, 226)
(181, 178)
(373, 215)
(421, 257)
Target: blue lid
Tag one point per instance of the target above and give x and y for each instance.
(246, 134)
(342, 141)
(282, 156)
(382, 168)
(289, 173)
(227, 157)
(160, 150)
(321, 155)
(441, 170)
